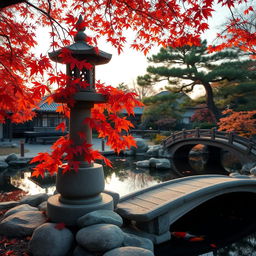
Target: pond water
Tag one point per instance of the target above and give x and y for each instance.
(125, 178)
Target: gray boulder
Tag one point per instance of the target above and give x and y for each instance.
(11, 157)
(247, 167)
(129, 251)
(141, 148)
(21, 224)
(8, 205)
(160, 163)
(34, 200)
(79, 251)
(100, 217)
(50, 241)
(20, 208)
(238, 175)
(164, 153)
(100, 237)
(253, 171)
(143, 164)
(137, 241)
(164, 164)
(153, 151)
(19, 163)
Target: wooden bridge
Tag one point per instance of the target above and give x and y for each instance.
(151, 211)
(179, 144)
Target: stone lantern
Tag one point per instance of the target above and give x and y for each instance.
(80, 192)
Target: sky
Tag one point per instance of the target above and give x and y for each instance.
(125, 68)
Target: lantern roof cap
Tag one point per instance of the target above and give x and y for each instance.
(81, 50)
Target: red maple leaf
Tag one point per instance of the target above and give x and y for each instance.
(62, 126)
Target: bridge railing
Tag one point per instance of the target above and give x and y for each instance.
(227, 137)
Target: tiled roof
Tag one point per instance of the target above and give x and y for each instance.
(137, 111)
(45, 107)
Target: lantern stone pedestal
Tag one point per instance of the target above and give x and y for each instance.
(82, 191)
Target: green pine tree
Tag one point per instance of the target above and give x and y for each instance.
(185, 67)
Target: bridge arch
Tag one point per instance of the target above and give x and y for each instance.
(180, 144)
(153, 210)
(221, 221)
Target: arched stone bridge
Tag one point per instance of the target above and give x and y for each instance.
(152, 211)
(179, 144)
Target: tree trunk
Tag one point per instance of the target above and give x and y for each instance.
(210, 101)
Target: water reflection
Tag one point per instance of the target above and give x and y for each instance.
(125, 178)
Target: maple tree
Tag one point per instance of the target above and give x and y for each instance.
(241, 122)
(240, 30)
(23, 74)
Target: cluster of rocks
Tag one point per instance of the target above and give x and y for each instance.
(158, 163)
(97, 233)
(7, 144)
(144, 149)
(248, 170)
(159, 155)
(14, 161)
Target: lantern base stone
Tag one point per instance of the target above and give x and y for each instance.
(58, 211)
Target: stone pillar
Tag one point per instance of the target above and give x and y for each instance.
(80, 192)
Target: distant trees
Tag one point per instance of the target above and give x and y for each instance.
(162, 111)
(185, 67)
(237, 96)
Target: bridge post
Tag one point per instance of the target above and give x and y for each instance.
(158, 228)
(183, 133)
(197, 130)
(230, 137)
(213, 133)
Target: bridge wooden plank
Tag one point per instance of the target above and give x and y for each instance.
(165, 194)
(132, 207)
(199, 183)
(143, 203)
(149, 201)
(181, 187)
(152, 198)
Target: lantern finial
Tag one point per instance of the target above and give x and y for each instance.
(80, 35)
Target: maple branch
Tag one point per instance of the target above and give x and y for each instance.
(45, 13)
(9, 42)
(143, 13)
(6, 3)
(11, 74)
